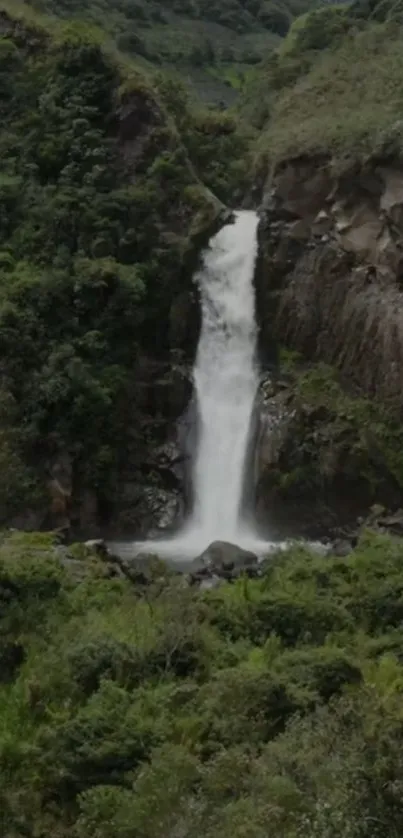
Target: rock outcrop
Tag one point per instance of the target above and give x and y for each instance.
(322, 457)
(329, 287)
(329, 281)
(224, 560)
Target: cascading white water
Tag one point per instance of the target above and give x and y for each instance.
(226, 381)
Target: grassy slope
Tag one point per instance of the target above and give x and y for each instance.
(349, 98)
(334, 85)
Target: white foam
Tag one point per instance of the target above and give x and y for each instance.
(226, 380)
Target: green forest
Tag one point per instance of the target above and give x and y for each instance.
(212, 44)
(112, 177)
(104, 201)
(149, 709)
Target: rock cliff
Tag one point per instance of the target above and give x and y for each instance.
(331, 275)
(329, 287)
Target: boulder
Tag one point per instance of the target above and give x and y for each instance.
(226, 560)
(97, 546)
(394, 523)
(340, 548)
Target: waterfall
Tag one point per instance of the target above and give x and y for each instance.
(226, 380)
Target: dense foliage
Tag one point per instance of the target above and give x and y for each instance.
(215, 41)
(265, 706)
(269, 704)
(333, 85)
(336, 435)
(102, 214)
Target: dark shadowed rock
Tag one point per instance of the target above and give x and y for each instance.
(393, 523)
(329, 269)
(221, 558)
(12, 655)
(340, 548)
(146, 509)
(97, 546)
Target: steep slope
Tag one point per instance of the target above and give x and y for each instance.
(212, 44)
(135, 706)
(330, 163)
(102, 216)
(333, 84)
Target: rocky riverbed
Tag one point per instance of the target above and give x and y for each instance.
(222, 562)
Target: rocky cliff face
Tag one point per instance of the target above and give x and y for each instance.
(330, 279)
(329, 287)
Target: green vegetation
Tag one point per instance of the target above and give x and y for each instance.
(102, 214)
(335, 439)
(144, 714)
(370, 435)
(217, 145)
(212, 41)
(269, 705)
(333, 86)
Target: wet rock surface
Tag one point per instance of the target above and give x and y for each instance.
(221, 563)
(151, 490)
(147, 510)
(223, 560)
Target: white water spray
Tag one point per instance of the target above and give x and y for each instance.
(226, 381)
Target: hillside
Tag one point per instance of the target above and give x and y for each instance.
(333, 86)
(329, 164)
(143, 708)
(212, 45)
(103, 212)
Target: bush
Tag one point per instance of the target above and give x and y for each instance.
(107, 738)
(242, 705)
(323, 672)
(149, 711)
(104, 658)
